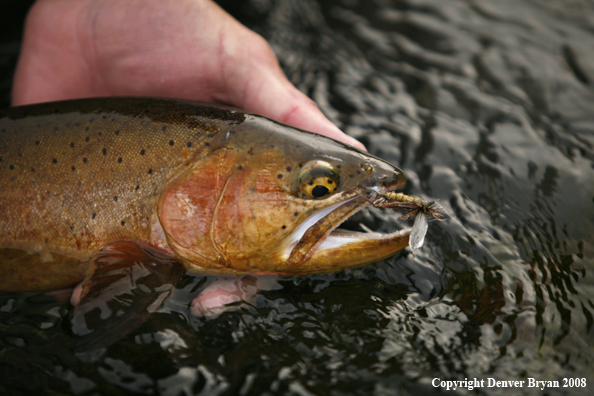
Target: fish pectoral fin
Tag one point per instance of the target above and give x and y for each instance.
(125, 283)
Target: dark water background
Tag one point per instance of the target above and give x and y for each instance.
(488, 107)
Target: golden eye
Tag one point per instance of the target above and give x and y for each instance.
(319, 187)
(318, 179)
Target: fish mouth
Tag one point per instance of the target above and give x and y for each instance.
(318, 245)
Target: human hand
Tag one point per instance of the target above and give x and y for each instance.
(189, 49)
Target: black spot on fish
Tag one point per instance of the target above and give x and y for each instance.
(272, 146)
(296, 213)
(117, 132)
(338, 166)
(91, 120)
(164, 128)
(71, 144)
(87, 139)
(73, 168)
(0, 159)
(85, 160)
(115, 199)
(171, 142)
(288, 169)
(207, 144)
(358, 172)
(11, 167)
(87, 129)
(94, 215)
(232, 132)
(279, 176)
(210, 135)
(123, 222)
(351, 175)
(104, 151)
(46, 240)
(55, 160)
(142, 152)
(283, 227)
(137, 187)
(120, 160)
(71, 228)
(32, 169)
(189, 144)
(240, 167)
(150, 171)
(37, 142)
(20, 155)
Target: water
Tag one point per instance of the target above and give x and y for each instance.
(486, 106)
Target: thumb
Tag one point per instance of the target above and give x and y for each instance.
(280, 100)
(257, 84)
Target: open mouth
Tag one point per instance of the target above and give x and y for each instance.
(320, 233)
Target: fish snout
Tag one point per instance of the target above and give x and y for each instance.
(388, 180)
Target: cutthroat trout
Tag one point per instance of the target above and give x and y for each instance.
(90, 182)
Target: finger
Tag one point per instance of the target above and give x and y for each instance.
(257, 84)
(227, 294)
(75, 298)
(219, 296)
(289, 106)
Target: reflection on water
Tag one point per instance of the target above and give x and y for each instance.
(486, 106)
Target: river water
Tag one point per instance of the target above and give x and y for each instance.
(488, 108)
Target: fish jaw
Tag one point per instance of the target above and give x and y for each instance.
(339, 251)
(333, 249)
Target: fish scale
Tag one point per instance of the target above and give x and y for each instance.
(148, 160)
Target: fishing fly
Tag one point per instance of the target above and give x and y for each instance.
(411, 206)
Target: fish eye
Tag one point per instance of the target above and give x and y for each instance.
(318, 179)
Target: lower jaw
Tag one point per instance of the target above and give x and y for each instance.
(337, 253)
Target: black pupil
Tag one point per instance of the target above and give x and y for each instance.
(319, 191)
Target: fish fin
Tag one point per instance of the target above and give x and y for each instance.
(126, 282)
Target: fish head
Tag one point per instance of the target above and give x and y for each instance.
(268, 199)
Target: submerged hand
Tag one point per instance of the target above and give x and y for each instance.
(188, 49)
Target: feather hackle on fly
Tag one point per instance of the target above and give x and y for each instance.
(411, 206)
